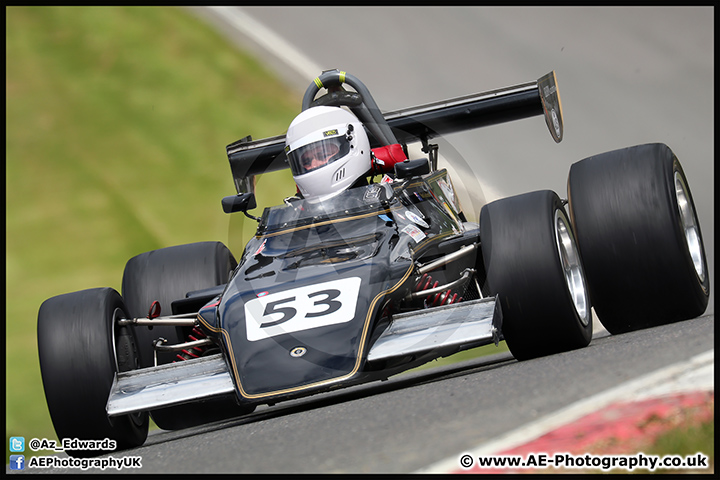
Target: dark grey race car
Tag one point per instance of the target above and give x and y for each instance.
(381, 279)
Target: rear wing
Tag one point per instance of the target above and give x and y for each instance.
(253, 157)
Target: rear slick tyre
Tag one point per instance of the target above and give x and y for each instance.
(80, 349)
(532, 264)
(639, 237)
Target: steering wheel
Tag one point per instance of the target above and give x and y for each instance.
(360, 102)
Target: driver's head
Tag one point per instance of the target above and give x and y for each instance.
(328, 150)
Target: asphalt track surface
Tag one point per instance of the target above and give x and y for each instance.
(626, 76)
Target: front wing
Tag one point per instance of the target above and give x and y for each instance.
(445, 330)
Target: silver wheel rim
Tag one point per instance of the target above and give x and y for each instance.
(572, 270)
(690, 226)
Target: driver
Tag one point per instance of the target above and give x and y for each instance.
(329, 152)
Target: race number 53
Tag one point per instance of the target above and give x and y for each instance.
(302, 308)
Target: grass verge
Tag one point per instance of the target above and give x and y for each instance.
(117, 120)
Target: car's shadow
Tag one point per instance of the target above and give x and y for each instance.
(322, 400)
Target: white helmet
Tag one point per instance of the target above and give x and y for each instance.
(328, 150)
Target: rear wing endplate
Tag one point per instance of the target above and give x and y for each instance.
(253, 157)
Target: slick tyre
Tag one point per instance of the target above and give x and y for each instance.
(532, 264)
(166, 275)
(639, 237)
(81, 348)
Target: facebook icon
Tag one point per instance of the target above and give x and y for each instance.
(17, 462)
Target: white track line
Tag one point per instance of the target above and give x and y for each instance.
(269, 40)
(695, 374)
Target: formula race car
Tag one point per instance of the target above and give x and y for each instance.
(384, 277)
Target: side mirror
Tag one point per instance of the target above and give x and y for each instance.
(412, 168)
(241, 202)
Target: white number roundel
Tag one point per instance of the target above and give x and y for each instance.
(302, 308)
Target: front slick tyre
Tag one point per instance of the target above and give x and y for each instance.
(165, 275)
(532, 264)
(639, 237)
(77, 343)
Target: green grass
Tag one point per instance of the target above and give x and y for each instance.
(117, 121)
(687, 441)
(683, 441)
(463, 356)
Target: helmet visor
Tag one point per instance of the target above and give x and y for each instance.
(317, 154)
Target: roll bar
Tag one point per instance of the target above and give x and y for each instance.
(421, 123)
